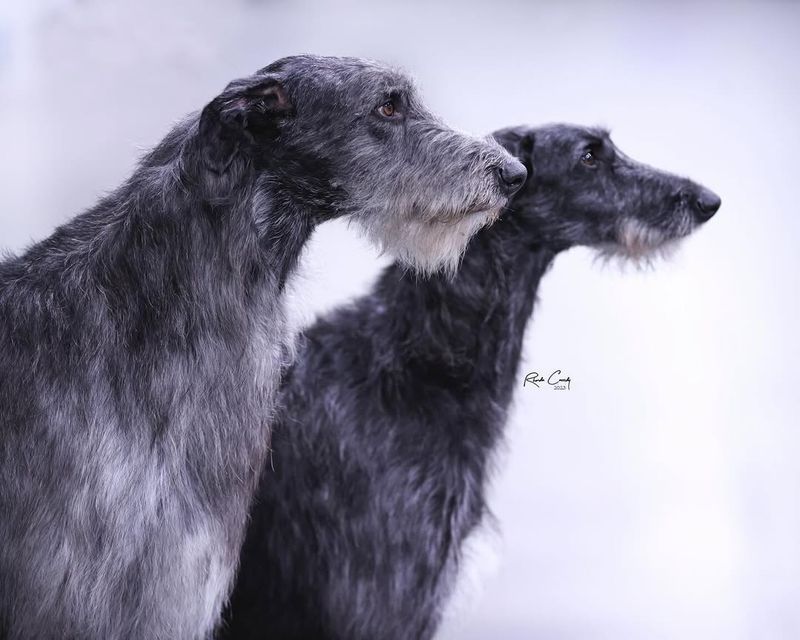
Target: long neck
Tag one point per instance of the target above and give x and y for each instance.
(468, 329)
(168, 267)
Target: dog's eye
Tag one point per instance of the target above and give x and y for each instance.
(588, 158)
(387, 109)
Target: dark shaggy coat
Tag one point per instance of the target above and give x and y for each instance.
(391, 412)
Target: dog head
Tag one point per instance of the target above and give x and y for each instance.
(585, 191)
(344, 136)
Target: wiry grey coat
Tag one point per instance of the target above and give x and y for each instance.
(141, 343)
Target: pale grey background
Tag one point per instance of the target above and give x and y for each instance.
(659, 498)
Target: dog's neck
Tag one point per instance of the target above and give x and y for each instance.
(170, 268)
(283, 231)
(466, 332)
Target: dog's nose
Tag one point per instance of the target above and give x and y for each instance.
(512, 176)
(707, 204)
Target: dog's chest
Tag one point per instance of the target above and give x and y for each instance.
(209, 467)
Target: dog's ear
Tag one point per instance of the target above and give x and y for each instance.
(518, 141)
(248, 111)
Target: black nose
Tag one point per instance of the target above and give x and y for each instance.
(707, 204)
(512, 176)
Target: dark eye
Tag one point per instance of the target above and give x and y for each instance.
(588, 158)
(387, 109)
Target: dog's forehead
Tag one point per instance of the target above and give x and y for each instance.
(568, 135)
(368, 80)
(353, 76)
(588, 134)
(601, 133)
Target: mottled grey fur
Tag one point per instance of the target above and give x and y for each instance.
(390, 415)
(141, 343)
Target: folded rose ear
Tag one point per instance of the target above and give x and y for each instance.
(248, 111)
(518, 141)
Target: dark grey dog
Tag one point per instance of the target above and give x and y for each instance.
(141, 343)
(392, 410)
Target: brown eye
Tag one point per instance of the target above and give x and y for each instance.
(387, 109)
(588, 158)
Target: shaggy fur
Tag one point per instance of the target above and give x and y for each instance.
(140, 344)
(396, 402)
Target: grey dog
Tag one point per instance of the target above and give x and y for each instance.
(141, 343)
(391, 412)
